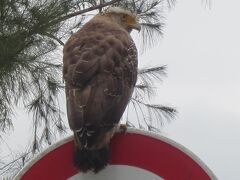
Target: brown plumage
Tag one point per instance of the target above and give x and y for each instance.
(100, 71)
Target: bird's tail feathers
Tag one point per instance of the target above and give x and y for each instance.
(94, 160)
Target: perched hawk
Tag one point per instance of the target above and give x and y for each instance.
(100, 71)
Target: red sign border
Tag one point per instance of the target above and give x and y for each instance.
(132, 132)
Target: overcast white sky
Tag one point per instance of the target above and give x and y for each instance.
(202, 50)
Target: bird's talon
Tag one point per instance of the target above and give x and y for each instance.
(122, 128)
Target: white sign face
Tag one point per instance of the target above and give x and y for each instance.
(117, 172)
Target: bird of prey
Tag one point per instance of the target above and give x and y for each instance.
(100, 71)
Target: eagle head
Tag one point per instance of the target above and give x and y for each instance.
(124, 18)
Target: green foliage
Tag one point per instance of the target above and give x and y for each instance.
(28, 72)
(149, 116)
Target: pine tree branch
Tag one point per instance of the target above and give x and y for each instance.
(84, 11)
(55, 38)
(13, 161)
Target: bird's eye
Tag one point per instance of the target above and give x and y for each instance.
(124, 17)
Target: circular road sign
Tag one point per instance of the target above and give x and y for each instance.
(135, 154)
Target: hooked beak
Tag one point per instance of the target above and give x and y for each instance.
(137, 26)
